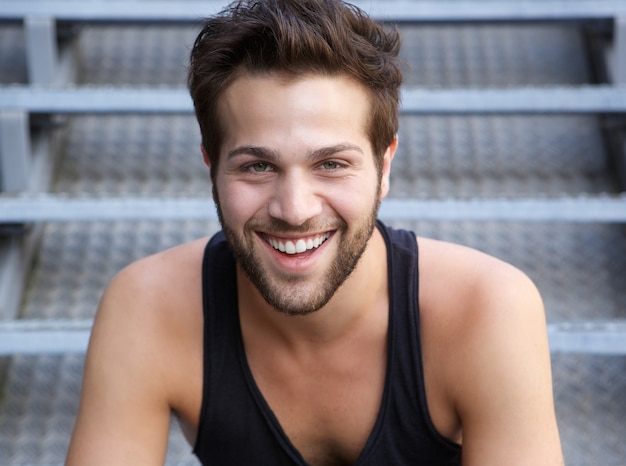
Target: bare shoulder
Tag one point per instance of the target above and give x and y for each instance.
(477, 265)
(157, 301)
(144, 360)
(153, 275)
(474, 284)
(469, 298)
(153, 296)
(486, 349)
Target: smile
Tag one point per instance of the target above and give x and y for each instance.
(297, 246)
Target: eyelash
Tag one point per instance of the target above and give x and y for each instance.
(268, 167)
(336, 165)
(251, 167)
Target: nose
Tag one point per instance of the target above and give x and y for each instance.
(295, 199)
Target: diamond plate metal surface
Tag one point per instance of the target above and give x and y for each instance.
(578, 268)
(494, 55)
(156, 55)
(590, 397)
(509, 156)
(133, 154)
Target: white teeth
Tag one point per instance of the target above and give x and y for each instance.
(300, 246)
(289, 247)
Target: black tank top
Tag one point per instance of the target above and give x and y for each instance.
(237, 427)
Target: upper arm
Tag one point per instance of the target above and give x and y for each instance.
(124, 414)
(504, 392)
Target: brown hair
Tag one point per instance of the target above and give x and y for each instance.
(295, 37)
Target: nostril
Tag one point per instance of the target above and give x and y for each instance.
(295, 201)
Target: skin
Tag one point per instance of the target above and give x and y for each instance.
(268, 190)
(485, 350)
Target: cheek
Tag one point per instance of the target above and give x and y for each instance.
(239, 202)
(354, 202)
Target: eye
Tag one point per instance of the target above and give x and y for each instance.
(330, 165)
(259, 167)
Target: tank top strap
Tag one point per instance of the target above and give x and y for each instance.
(408, 423)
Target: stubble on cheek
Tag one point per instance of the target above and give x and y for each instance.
(292, 295)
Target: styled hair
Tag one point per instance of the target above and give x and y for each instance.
(295, 38)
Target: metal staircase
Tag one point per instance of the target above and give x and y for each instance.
(512, 141)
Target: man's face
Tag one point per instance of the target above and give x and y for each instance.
(297, 188)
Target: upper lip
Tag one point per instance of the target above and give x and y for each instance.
(294, 237)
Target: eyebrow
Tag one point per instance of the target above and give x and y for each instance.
(329, 151)
(260, 152)
(272, 156)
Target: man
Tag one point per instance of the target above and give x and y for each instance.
(310, 333)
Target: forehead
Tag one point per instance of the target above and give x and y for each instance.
(275, 105)
(298, 87)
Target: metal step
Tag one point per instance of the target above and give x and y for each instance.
(591, 337)
(59, 208)
(578, 265)
(606, 337)
(413, 11)
(144, 100)
(44, 336)
(40, 20)
(558, 100)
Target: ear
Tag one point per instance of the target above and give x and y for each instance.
(207, 162)
(386, 167)
(205, 156)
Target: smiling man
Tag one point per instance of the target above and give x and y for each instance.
(300, 182)
(308, 332)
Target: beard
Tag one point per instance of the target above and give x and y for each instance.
(289, 294)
